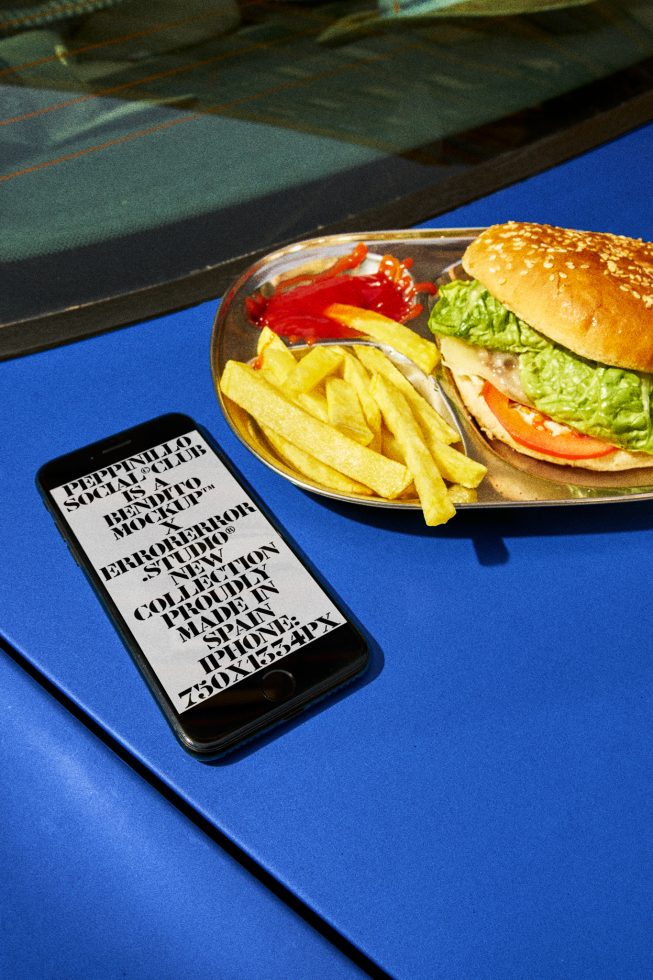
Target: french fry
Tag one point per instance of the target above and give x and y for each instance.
(376, 360)
(350, 421)
(345, 412)
(453, 465)
(459, 493)
(269, 339)
(311, 467)
(462, 495)
(275, 365)
(430, 486)
(438, 434)
(354, 372)
(390, 446)
(274, 358)
(245, 386)
(422, 352)
(315, 403)
(313, 368)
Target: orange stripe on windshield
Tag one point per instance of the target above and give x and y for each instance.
(98, 146)
(109, 42)
(156, 76)
(209, 110)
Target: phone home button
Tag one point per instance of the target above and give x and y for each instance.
(278, 685)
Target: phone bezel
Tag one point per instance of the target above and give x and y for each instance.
(222, 721)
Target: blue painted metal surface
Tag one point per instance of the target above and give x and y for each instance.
(479, 806)
(102, 877)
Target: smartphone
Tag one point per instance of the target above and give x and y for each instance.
(230, 627)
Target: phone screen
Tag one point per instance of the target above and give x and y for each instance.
(210, 591)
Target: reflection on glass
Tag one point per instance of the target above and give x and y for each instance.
(228, 126)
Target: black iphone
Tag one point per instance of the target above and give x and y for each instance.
(228, 625)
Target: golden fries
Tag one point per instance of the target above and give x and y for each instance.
(315, 403)
(309, 466)
(345, 412)
(312, 369)
(245, 386)
(269, 339)
(423, 352)
(376, 361)
(274, 359)
(431, 489)
(276, 365)
(354, 372)
(455, 466)
(349, 420)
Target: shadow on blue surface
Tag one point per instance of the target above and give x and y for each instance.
(487, 530)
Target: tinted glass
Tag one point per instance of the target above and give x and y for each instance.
(144, 143)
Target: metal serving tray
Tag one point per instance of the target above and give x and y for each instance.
(512, 480)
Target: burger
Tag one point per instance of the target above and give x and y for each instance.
(550, 343)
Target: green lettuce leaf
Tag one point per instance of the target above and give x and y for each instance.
(468, 311)
(606, 402)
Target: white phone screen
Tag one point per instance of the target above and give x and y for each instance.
(210, 591)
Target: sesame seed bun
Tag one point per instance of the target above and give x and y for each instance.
(591, 292)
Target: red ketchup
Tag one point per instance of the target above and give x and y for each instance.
(296, 308)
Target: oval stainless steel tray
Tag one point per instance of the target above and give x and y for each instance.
(512, 480)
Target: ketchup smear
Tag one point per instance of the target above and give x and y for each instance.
(296, 308)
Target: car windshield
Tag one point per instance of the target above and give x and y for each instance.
(151, 150)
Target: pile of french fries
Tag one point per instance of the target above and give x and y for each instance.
(346, 417)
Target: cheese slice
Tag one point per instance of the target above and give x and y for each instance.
(501, 370)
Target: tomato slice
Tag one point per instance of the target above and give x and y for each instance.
(538, 432)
